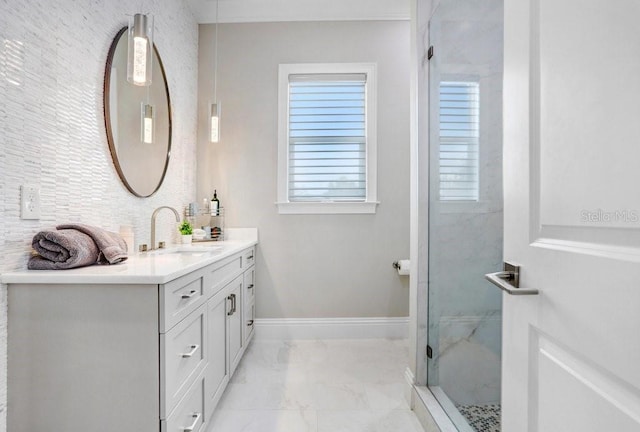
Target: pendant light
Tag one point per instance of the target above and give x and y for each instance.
(214, 112)
(140, 52)
(215, 123)
(147, 126)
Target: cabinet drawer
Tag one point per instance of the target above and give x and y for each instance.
(183, 355)
(219, 274)
(249, 285)
(248, 257)
(180, 297)
(189, 415)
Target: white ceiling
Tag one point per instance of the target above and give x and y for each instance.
(236, 11)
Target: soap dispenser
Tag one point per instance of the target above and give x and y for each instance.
(215, 204)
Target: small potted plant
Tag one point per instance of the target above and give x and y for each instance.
(186, 230)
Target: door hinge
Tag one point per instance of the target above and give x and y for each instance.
(429, 352)
(430, 53)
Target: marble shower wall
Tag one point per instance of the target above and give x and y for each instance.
(52, 133)
(466, 237)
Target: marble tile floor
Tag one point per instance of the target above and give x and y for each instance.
(318, 386)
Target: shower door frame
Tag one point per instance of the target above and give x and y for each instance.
(424, 399)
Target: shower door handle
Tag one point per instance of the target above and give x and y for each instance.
(508, 280)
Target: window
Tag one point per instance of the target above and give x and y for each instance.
(327, 143)
(459, 141)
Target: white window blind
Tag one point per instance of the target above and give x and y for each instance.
(327, 139)
(459, 140)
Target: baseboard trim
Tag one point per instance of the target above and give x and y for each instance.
(332, 328)
(409, 377)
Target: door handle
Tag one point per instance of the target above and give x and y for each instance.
(508, 280)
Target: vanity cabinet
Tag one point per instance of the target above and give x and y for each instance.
(127, 356)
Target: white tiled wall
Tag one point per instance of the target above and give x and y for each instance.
(52, 134)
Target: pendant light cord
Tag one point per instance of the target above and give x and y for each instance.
(215, 73)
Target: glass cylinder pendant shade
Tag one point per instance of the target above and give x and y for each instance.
(215, 123)
(140, 49)
(147, 126)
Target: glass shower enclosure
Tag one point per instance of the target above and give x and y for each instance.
(465, 211)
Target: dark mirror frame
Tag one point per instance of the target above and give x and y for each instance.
(107, 115)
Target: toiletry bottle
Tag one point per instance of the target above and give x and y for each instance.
(215, 204)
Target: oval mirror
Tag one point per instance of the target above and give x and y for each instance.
(138, 121)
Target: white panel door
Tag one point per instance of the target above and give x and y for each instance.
(234, 335)
(218, 369)
(571, 354)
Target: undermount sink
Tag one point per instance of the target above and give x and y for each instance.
(187, 249)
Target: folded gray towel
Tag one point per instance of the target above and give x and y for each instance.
(113, 248)
(76, 245)
(63, 249)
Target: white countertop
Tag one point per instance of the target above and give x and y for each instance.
(155, 267)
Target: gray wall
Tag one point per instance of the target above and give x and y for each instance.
(311, 266)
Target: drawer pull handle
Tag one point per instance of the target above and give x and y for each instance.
(232, 298)
(194, 348)
(190, 295)
(192, 426)
(250, 257)
(249, 323)
(250, 287)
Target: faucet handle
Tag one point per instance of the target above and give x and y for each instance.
(142, 248)
(162, 245)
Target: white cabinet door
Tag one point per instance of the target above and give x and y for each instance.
(571, 354)
(248, 309)
(234, 316)
(218, 368)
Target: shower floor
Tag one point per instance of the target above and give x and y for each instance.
(482, 418)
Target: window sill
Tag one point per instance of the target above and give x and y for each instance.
(331, 207)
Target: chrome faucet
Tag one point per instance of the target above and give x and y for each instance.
(153, 223)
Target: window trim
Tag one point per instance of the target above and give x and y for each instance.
(368, 206)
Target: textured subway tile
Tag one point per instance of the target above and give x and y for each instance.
(52, 133)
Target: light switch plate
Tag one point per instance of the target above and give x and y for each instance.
(29, 202)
